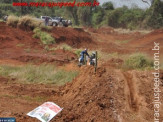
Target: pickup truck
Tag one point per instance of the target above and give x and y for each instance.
(55, 21)
(63, 22)
(52, 22)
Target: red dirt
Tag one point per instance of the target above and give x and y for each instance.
(75, 37)
(110, 95)
(104, 96)
(145, 43)
(19, 45)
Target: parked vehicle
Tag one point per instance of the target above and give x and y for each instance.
(62, 21)
(56, 21)
(51, 22)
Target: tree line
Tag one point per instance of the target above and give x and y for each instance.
(103, 15)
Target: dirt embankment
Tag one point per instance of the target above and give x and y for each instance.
(145, 43)
(109, 95)
(75, 37)
(20, 45)
(111, 41)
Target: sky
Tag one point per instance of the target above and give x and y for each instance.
(129, 3)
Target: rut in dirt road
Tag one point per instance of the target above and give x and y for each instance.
(132, 96)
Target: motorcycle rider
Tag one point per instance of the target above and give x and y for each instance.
(84, 52)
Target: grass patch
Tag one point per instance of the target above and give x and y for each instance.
(34, 99)
(28, 98)
(62, 47)
(28, 50)
(20, 45)
(13, 21)
(26, 22)
(138, 61)
(45, 37)
(66, 47)
(107, 56)
(38, 74)
(78, 51)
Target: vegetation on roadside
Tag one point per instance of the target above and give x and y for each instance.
(28, 98)
(138, 61)
(45, 37)
(28, 22)
(38, 74)
(13, 21)
(25, 22)
(65, 47)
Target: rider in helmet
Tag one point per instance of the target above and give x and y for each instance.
(84, 52)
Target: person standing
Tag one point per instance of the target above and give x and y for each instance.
(46, 21)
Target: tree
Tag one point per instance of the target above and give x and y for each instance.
(154, 15)
(108, 6)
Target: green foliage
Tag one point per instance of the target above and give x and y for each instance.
(138, 61)
(65, 47)
(154, 16)
(45, 37)
(84, 15)
(108, 6)
(113, 17)
(98, 16)
(38, 74)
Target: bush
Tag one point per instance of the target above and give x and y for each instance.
(138, 61)
(45, 37)
(28, 23)
(12, 21)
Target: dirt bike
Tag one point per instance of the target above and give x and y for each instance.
(82, 62)
(92, 60)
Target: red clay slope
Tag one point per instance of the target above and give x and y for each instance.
(75, 37)
(20, 45)
(108, 96)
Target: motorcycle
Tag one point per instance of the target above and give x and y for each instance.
(82, 61)
(92, 60)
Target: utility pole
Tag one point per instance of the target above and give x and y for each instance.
(96, 62)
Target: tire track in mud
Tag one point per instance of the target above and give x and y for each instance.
(132, 95)
(113, 101)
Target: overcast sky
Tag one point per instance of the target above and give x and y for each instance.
(129, 3)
